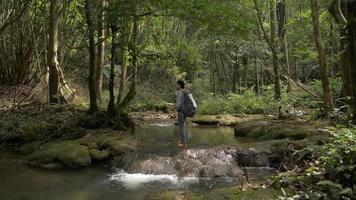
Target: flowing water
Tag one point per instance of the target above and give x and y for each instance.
(19, 182)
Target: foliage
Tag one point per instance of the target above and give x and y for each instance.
(246, 103)
(323, 172)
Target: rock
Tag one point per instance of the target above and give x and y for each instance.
(99, 155)
(245, 158)
(252, 158)
(208, 163)
(155, 165)
(124, 161)
(274, 129)
(118, 147)
(69, 154)
(260, 160)
(244, 128)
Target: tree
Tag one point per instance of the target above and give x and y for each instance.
(324, 70)
(352, 40)
(277, 84)
(100, 50)
(111, 105)
(54, 93)
(282, 32)
(92, 56)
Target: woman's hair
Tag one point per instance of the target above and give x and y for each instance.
(181, 83)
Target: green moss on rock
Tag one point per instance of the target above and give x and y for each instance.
(99, 155)
(69, 154)
(270, 130)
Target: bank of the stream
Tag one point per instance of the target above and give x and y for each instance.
(220, 161)
(19, 181)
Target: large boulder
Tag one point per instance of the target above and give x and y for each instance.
(274, 129)
(66, 153)
(81, 152)
(155, 165)
(208, 163)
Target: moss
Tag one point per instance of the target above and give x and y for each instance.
(99, 155)
(30, 147)
(69, 154)
(270, 130)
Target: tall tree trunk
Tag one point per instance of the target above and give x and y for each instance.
(53, 82)
(235, 72)
(122, 61)
(352, 39)
(282, 19)
(345, 62)
(92, 56)
(111, 106)
(257, 89)
(324, 71)
(101, 50)
(124, 105)
(245, 63)
(277, 86)
(224, 73)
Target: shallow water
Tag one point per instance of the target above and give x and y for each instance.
(19, 182)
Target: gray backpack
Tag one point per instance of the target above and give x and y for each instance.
(189, 105)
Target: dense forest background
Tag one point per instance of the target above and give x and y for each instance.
(223, 49)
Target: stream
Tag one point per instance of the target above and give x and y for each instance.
(157, 153)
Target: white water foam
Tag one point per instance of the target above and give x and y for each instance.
(134, 181)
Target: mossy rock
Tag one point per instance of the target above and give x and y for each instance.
(72, 155)
(30, 147)
(118, 147)
(96, 154)
(270, 130)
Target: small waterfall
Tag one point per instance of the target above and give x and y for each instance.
(135, 181)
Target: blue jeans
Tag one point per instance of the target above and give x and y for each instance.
(182, 128)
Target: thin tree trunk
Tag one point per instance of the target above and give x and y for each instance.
(235, 74)
(122, 62)
(352, 39)
(124, 105)
(53, 81)
(282, 18)
(345, 61)
(245, 63)
(101, 50)
(224, 72)
(92, 57)
(111, 106)
(257, 78)
(324, 71)
(277, 86)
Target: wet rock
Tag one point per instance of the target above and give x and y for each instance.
(209, 163)
(69, 154)
(245, 157)
(155, 165)
(124, 161)
(252, 158)
(81, 152)
(260, 160)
